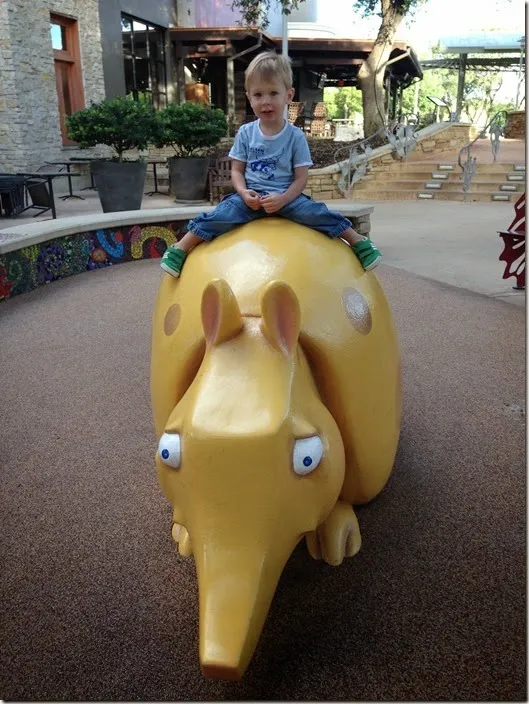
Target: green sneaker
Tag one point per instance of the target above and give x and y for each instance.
(173, 261)
(368, 254)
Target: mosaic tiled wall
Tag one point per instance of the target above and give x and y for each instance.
(27, 268)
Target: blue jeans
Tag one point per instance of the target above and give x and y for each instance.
(233, 211)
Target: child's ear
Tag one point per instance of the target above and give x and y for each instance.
(290, 94)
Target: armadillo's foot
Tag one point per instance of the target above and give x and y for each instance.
(337, 537)
(181, 538)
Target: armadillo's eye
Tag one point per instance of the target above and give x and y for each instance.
(307, 455)
(169, 449)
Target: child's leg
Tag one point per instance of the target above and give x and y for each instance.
(306, 211)
(229, 213)
(175, 255)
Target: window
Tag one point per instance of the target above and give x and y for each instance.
(144, 59)
(65, 44)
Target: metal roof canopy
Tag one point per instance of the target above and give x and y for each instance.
(482, 43)
(338, 58)
(497, 63)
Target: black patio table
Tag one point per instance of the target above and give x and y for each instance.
(86, 160)
(68, 175)
(153, 163)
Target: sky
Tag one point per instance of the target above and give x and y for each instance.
(434, 19)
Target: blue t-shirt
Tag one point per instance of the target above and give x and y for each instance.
(270, 161)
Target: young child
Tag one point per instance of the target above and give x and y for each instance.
(270, 165)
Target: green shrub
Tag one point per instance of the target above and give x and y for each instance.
(191, 128)
(121, 123)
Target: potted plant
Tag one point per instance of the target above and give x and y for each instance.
(120, 123)
(192, 129)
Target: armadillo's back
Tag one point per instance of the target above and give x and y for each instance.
(347, 333)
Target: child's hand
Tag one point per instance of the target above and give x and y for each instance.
(273, 203)
(251, 198)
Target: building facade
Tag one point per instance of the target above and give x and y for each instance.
(58, 56)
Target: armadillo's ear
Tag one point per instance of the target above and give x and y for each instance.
(221, 317)
(281, 316)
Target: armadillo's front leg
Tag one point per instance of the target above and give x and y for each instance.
(337, 537)
(181, 536)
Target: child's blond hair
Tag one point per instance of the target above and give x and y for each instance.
(269, 66)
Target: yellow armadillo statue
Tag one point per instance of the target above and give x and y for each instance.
(275, 385)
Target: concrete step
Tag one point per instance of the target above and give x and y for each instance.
(386, 194)
(455, 184)
(395, 194)
(482, 186)
(474, 196)
(420, 167)
(406, 167)
(420, 176)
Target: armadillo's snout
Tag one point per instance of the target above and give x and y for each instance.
(220, 669)
(236, 587)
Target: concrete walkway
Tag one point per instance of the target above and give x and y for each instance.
(455, 243)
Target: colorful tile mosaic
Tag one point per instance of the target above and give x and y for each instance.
(29, 267)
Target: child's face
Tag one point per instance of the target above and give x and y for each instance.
(268, 99)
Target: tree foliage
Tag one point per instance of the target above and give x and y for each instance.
(190, 128)
(336, 100)
(479, 94)
(375, 7)
(121, 123)
(255, 12)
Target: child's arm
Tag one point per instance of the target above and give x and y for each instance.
(275, 202)
(251, 198)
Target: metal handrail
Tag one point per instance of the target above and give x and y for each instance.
(470, 165)
(401, 138)
(357, 145)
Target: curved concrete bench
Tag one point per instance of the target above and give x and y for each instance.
(34, 254)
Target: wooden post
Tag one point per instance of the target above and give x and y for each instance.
(461, 84)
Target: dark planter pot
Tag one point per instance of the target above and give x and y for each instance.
(119, 185)
(188, 178)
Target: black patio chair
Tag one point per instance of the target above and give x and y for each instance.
(12, 194)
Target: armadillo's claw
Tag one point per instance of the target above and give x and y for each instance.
(337, 537)
(313, 545)
(182, 539)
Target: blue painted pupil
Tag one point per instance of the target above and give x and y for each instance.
(307, 461)
(165, 454)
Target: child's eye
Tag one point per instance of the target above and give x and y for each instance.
(274, 92)
(257, 95)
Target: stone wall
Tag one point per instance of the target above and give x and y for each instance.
(515, 126)
(29, 115)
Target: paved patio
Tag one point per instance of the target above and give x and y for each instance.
(96, 605)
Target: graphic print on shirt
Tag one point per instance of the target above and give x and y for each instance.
(266, 166)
